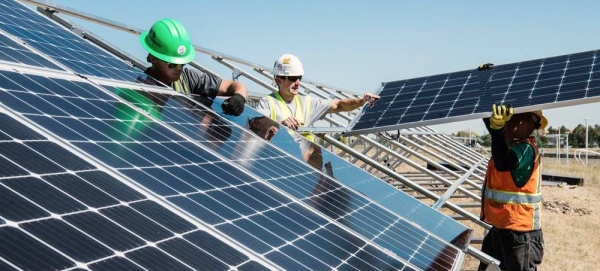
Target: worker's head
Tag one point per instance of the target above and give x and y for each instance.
(288, 72)
(264, 127)
(169, 48)
(522, 125)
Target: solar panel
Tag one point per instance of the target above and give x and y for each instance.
(11, 51)
(363, 182)
(180, 156)
(311, 187)
(59, 211)
(55, 41)
(530, 85)
(195, 180)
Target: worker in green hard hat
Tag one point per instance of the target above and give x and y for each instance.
(169, 50)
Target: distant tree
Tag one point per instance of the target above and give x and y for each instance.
(594, 139)
(485, 140)
(465, 134)
(578, 136)
(540, 138)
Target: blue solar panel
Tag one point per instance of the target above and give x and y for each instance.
(62, 45)
(59, 212)
(363, 182)
(200, 183)
(179, 154)
(11, 51)
(530, 85)
(299, 180)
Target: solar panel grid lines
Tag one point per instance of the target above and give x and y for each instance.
(376, 228)
(203, 183)
(268, 167)
(52, 39)
(172, 122)
(18, 53)
(56, 200)
(82, 141)
(528, 85)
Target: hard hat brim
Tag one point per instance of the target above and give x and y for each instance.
(188, 57)
(543, 120)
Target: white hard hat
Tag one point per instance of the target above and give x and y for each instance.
(288, 64)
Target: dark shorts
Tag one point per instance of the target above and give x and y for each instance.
(515, 250)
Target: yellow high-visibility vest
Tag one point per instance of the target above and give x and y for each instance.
(300, 114)
(178, 88)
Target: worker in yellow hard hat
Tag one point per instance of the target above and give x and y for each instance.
(511, 198)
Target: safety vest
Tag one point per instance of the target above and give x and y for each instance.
(180, 85)
(300, 114)
(506, 206)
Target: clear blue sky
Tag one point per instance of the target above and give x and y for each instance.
(356, 45)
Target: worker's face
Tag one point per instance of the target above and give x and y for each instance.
(264, 127)
(519, 126)
(289, 83)
(166, 72)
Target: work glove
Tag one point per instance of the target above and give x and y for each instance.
(234, 105)
(500, 115)
(485, 67)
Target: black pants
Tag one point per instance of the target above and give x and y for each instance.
(515, 250)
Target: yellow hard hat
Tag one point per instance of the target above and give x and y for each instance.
(542, 121)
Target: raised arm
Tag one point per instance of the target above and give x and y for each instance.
(350, 104)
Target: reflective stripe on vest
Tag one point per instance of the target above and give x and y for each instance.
(513, 197)
(506, 206)
(300, 114)
(176, 85)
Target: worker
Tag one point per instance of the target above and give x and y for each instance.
(511, 195)
(169, 50)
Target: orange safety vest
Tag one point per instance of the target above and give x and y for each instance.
(506, 206)
(300, 115)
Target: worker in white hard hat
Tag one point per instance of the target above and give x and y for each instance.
(295, 111)
(511, 195)
(288, 108)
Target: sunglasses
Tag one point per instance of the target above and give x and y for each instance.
(172, 65)
(292, 78)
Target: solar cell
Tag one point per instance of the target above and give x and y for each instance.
(114, 141)
(530, 85)
(55, 41)
(58, 211)
(11, 51)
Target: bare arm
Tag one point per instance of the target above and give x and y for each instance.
(228, 88)
(350, 104)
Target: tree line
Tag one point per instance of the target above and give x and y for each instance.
(546, 138)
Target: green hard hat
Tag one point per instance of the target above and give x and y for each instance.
(168, 41)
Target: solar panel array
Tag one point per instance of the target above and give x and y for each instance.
(77, 54)
(98, 175)
(59, 211)
(530, 85)
(371, 186)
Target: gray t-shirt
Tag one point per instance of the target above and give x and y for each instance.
(318, 108)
